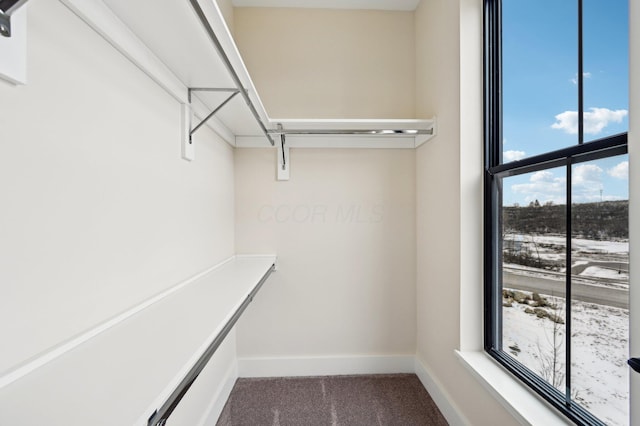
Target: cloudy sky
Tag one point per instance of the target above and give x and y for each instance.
(541, 99)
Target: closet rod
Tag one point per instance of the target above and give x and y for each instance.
(382, 132)
(232, 71)
(159, 418)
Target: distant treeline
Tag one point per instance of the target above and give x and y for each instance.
(595, 221)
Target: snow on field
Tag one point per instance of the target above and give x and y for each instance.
(600, 380)
(617, 247)
(599, 334)
(578, 244)
(598, 272)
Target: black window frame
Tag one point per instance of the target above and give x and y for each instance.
(494, 171)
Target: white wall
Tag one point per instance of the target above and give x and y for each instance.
(98, 210)
(320, 63)
(343, 227)
(449, 171)
(344, 231)
(313, 304)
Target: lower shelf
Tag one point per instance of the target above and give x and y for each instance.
(126, 373)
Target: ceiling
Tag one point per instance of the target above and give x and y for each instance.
(332, 4)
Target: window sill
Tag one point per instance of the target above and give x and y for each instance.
(521, 402)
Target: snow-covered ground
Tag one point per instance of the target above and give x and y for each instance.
(599, 272)
(551, 247)
(599, 377)
(588, 246)
(599, 333)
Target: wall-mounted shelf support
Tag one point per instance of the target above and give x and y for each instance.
(227, 62)
(188, 152)
(234, 92)
(7, 8)
(5, 24)
(283, 156)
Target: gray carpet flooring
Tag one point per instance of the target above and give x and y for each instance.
(368, 400)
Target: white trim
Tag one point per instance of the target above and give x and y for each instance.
(325, 366)
(523, 404)
(48, 356)
(214, 409)
(442, 399)
(471, 175)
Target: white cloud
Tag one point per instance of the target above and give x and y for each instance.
(587, 174)
(513, 155)
(542, 176)
(594, 121)
(620, 171)
(587, 185)
(585, 75)
(567, 121)
(544, 187)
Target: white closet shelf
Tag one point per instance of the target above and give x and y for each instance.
(186, 44)
(122, 375)
(173, 44)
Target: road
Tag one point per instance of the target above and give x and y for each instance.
(584, 292)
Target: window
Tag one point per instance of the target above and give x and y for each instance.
(556, 201)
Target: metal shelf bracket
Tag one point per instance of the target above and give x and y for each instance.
(188, 152)
(7, 8)
(232, 72)
(283, 156)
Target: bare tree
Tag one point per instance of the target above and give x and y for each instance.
(551, 356)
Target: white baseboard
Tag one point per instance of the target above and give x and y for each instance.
(213, 411)
(325, 366)
(442, 399)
